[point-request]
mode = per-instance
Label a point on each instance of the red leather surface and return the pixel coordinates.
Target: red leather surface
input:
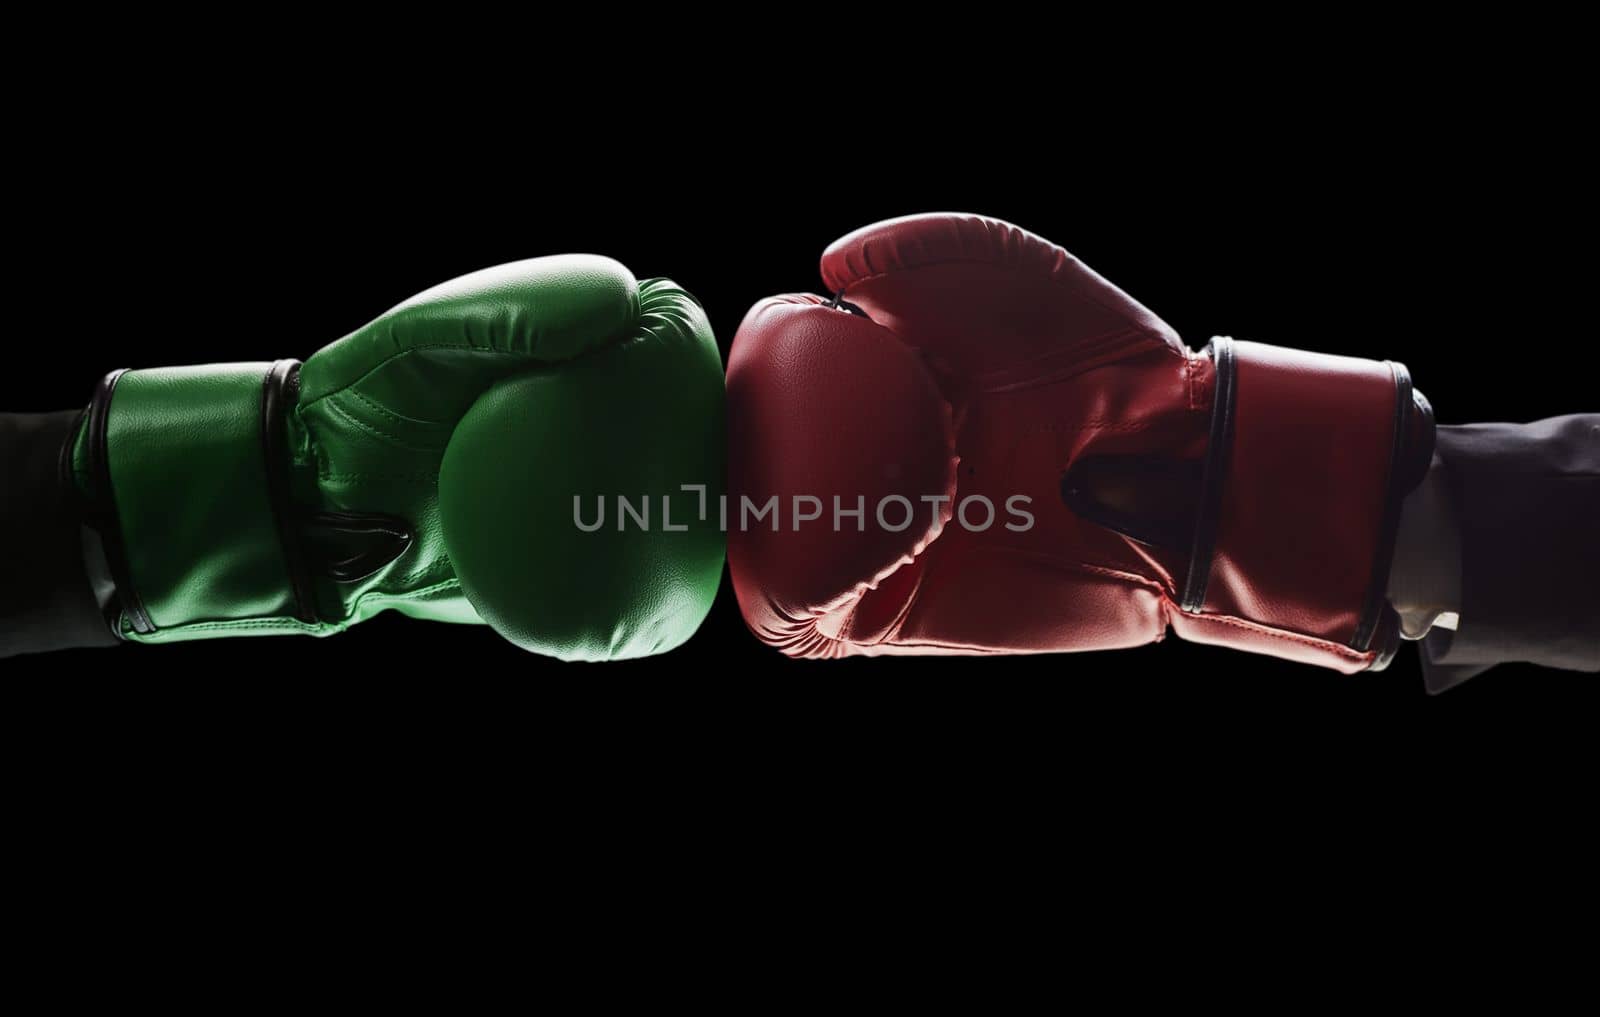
(992, 362)
(823, 403)
(1304, 496)
(1255, 637)
(991, 303)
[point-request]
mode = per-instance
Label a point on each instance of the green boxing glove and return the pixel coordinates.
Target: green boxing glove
(450, 461)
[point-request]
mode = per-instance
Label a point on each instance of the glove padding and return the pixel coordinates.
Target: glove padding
(1244, 496)
(428, 462)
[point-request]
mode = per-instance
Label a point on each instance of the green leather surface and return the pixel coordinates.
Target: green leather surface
(638, 420)
(375, 414)
(186, 464)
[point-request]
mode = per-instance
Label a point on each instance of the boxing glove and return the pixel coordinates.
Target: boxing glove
(431, 462)
(978, 445)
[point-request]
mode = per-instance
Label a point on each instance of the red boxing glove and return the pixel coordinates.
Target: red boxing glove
(981, 446)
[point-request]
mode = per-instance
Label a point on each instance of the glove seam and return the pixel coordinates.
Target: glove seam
(1085, 356)
(1107, 571)
(1338, 649)
(1127, 577)
(396, 417)
(386, 361)
(1177, 350)
(441, 565)
(254, 623)
(290, 623)
(377, 432)
(892, 634)
(453, 581)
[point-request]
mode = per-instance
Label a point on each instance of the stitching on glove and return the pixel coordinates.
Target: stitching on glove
(444, 561)
(1052, 278)
(376, 431)
(1102, 425)
(443, 564)
(1110, 573)
(1322, 644)
(1082, 566)
(1091, 354)
(396, 417)
(391, 358)
(276, 623)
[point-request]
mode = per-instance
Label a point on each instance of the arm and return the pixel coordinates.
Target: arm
(47, 599)
(1504, 533)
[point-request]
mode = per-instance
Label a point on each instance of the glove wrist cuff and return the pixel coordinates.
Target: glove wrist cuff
(184, 472)
(1309, 459)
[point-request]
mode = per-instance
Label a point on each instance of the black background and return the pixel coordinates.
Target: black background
(1401, 237)
(249, 184)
